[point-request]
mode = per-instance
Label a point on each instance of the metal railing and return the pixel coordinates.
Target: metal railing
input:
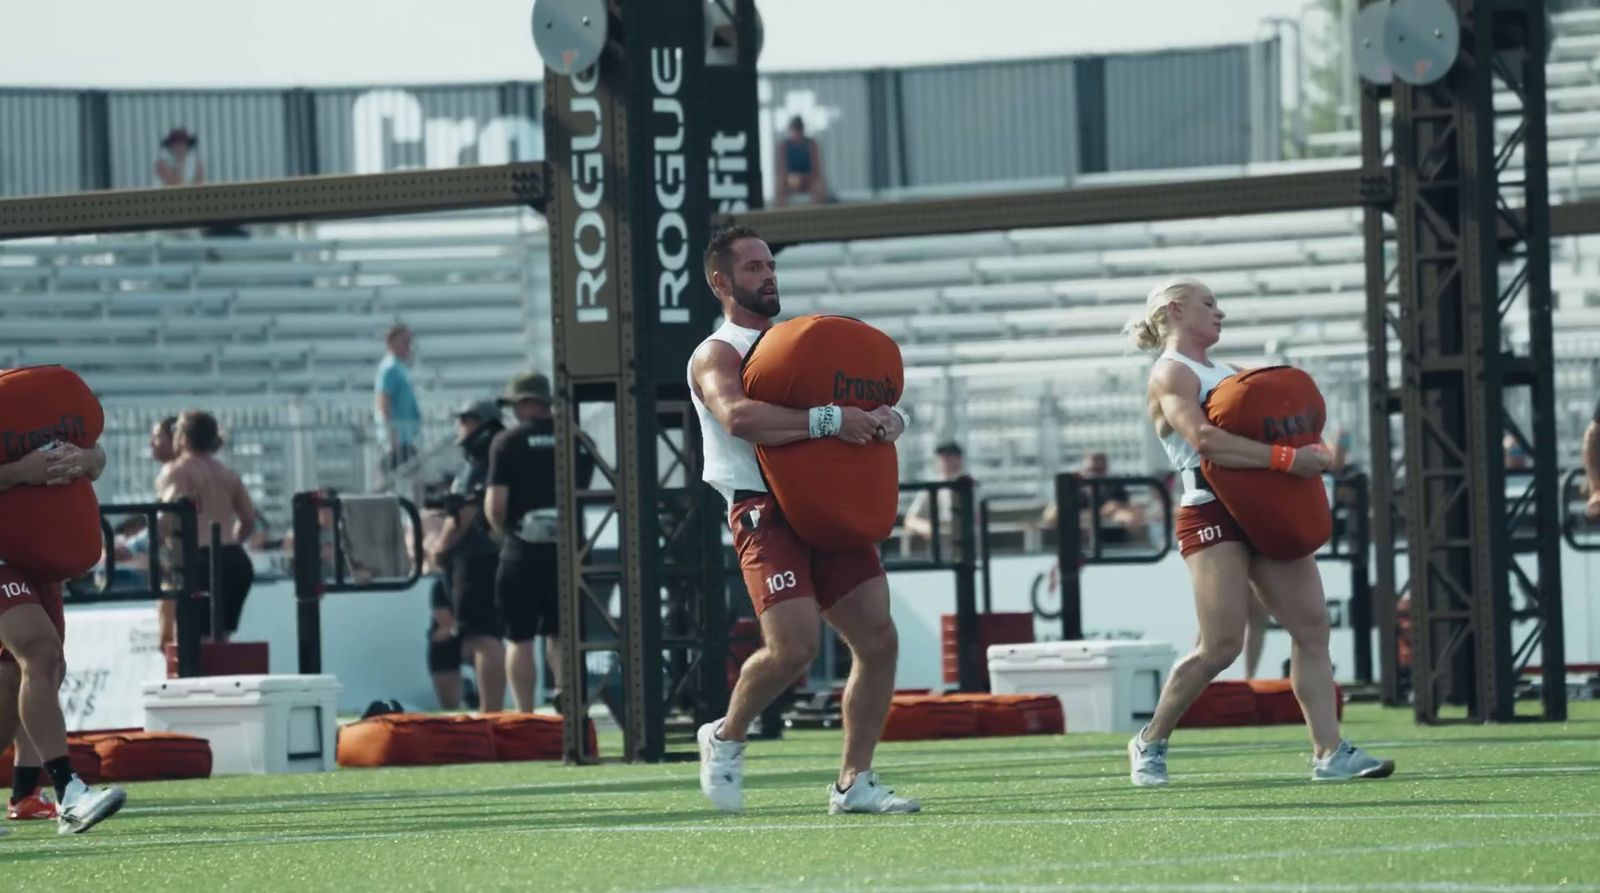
(310, 582)
(186, 595)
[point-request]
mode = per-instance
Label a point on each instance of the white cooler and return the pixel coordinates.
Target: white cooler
(257, 725)
(1104, 686)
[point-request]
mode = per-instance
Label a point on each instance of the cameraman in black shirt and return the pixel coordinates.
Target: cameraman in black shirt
(467, 549)
(520, 503)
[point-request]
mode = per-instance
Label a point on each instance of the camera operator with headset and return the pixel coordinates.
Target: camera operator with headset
(467, 549)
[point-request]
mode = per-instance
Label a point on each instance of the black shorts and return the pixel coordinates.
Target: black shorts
(527, 589)
(238, 575)
(472, 596)
(400, 455)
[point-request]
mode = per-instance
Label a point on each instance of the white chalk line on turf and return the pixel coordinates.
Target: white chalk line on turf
(1245, 887)
(579, 786)
(896, 881)
(854, 826)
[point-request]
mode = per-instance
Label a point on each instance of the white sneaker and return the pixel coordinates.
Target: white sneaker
(1348, 761)
(866, 795)
(1147, 760)
(83, 807)
(721, 769)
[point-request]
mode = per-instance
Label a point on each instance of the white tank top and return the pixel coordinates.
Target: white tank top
(730, 463)
(1184, 457)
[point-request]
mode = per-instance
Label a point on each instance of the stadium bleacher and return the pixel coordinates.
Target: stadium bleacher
(1011, 338)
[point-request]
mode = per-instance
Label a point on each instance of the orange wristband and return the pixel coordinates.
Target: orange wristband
(1282, 458)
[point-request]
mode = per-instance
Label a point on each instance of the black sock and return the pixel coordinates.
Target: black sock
(24, 781)
(60, 770)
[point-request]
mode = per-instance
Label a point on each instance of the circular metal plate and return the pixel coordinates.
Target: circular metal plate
(570, 34)
(1367, 45)
(720, 26)
(1421, 38)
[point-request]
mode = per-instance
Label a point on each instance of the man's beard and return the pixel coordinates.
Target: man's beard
(756, 302)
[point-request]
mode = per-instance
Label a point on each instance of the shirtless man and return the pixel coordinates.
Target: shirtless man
(220, 498)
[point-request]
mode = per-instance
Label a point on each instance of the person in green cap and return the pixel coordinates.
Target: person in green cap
(520, 503)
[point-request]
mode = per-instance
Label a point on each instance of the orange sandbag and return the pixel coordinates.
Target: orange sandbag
(1222, 704)
(461, 739)
(151, 756)
(532, 736)
(835, 495)
(1008, 715)
(49, 534)
(1276, 704)
(1285, 517)
(80, 751)
(915, 718)
(393, 739)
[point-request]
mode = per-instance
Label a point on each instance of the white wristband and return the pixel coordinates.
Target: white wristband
(825, 421)
(905, 417)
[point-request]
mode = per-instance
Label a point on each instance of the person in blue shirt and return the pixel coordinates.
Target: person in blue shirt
(398, 417)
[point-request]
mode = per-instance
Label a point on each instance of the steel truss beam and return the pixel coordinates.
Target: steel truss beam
(1456, 229)
(1073, 207)
(276, 201)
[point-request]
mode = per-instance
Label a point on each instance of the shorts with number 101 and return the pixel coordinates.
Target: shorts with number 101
(778, 567)
(1203, 526)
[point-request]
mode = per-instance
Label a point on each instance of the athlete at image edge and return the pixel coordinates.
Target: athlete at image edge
(77, 807)
(1182, 318)
(848, 589)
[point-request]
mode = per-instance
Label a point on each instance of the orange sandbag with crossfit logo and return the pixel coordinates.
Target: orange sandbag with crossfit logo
(1285, 517)
(49, 534)
(835, 495)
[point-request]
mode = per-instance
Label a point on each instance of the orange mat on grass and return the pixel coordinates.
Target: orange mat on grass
(150, 756)
(1222, 704)
(1276, 705)
(130, 755)
(920, 717)
(412, 739)
(1007, 715)
(532, 736)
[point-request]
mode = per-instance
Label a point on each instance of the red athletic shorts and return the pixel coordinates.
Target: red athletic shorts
(1202, 526)
(16, 591)
(777, 566)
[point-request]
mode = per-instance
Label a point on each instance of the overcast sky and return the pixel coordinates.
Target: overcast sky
(216, 43)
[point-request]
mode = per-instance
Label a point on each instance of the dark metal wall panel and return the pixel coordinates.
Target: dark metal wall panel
(41, 148)
(241, 133)
(995, 121)
(837, 110)
(379, 129)
(1187, 108)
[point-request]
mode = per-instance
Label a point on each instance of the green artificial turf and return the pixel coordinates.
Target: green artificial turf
(1472, 808)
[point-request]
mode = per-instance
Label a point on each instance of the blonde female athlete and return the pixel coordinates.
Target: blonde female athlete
(1182, 319)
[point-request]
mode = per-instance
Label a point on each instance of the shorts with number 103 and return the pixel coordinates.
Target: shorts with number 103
(778, 567)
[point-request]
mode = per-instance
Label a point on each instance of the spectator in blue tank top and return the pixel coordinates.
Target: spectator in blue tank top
(398, 417)
(799, 166)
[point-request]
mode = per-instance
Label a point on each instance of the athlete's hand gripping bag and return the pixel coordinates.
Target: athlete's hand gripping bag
(1285, 517)
(835, 495)
(49, 534)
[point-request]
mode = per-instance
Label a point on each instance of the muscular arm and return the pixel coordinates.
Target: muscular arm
(455, 528)
(717, 381)
(1591, 453)
(244, 511)
(495, 499)
(1177, 389)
